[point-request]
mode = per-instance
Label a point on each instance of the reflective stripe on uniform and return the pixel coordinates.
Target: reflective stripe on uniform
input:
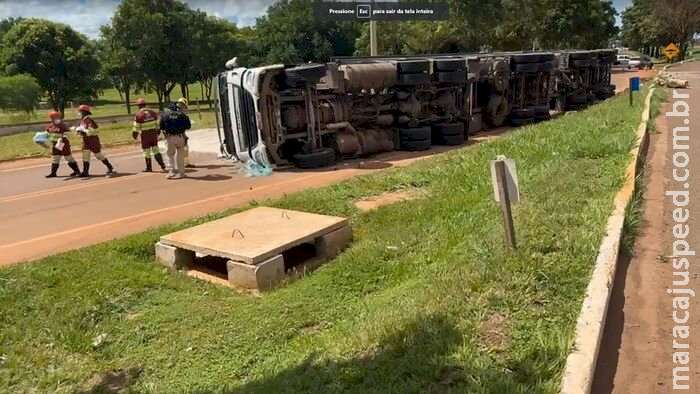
(136, 127)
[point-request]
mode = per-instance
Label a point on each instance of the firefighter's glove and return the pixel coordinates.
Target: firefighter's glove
(134, 134)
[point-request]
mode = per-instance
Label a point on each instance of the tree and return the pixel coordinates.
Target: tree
(680, 19)
(155, 32)
(19, 92)
(289, 33)
(119, 65)
(7, 24)
(60, 59)
(214, 42)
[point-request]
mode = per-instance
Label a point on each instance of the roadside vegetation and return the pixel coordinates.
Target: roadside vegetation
(21, 145)
(425, 299)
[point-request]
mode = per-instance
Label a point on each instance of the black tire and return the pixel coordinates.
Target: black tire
(449, 140)
(456, 77)
(576, 107)
(521, 114)
(522, 121)
(542, 117)
(413, 66)
(580, 55)
(547, 67)
(415, 145)
(448, 129)
(577, 99)
(415, 134)
(526, 68)
(546, 57)
(525, 58)
(310, 73)
(414, 79)
(591, 97)
(581, 63)
(322, 158)
(449, 65)
(540, 110)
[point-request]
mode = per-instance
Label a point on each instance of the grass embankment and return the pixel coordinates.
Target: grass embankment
(426, 299)
(108, 103)
(19, 146)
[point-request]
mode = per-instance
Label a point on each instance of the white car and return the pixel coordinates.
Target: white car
(623, 60)
(633, 62)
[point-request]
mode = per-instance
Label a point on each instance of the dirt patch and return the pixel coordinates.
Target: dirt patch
(494, 331)
(374, 202)
(311, 329)
(111, 382)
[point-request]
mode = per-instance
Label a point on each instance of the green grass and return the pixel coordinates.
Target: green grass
(109, 103)
(18, 146)
(426, 299)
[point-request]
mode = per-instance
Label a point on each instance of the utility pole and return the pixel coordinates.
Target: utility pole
(373, 36)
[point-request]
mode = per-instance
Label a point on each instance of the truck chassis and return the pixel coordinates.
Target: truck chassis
(312, 115)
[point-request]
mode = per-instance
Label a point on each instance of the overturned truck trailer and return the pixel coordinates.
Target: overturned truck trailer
(315, 114)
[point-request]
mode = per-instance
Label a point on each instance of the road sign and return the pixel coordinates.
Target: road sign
(671, 50)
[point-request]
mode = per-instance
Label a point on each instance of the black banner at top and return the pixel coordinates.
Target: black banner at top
(380, 11)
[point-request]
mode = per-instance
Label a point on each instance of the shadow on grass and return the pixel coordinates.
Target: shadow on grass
(410, 359)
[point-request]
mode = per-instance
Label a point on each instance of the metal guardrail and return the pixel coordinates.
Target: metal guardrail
(11, 129)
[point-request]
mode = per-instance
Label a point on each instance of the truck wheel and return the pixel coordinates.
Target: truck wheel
(545, 67)
(413, 66)
(526, 68)
(414, 79)
(577, 99)
(450, 134)
(579, 55)
(581, 63)
(448, 129)
(415, 134)
(322, 158)
(522, 121)
(525, 58)
(456, 77)
(310, 73)
(540, 109)
(450, 65)
(521, 114)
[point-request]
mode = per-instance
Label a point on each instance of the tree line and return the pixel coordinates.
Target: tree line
(157, 45)
(650, 24)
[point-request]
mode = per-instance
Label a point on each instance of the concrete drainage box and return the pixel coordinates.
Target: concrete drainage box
(255, 249)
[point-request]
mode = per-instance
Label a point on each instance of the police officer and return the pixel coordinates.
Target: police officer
(182, 103)
(174, 123)
(146, 123)
(91, 142)
(56, 129)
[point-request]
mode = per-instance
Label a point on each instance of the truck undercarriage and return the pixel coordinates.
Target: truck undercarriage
(315, 114)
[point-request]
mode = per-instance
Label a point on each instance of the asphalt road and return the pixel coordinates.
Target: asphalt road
(40, 217)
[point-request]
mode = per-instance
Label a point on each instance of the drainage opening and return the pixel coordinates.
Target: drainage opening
(210, 265)
(295, 257)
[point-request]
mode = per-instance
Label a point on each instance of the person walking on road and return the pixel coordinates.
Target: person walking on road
(174, 123)
(146, 123)
(182, 103)
(60, 145)
(91, 142)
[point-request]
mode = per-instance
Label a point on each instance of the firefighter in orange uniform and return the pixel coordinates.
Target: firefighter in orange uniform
(56, 129)
(91, 142)
(146, 122)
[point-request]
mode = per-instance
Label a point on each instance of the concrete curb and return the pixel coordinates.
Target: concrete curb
(581, 363)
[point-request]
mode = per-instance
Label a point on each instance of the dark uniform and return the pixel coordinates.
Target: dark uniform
(174, 123)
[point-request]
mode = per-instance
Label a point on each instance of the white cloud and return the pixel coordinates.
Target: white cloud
(86, 16)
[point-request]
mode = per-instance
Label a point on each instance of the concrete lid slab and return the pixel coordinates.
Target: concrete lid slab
(255, 235)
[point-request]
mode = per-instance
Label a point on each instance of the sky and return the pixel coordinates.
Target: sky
(86, 16)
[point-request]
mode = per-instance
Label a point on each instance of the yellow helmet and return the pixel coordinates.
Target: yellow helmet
(183, 101)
